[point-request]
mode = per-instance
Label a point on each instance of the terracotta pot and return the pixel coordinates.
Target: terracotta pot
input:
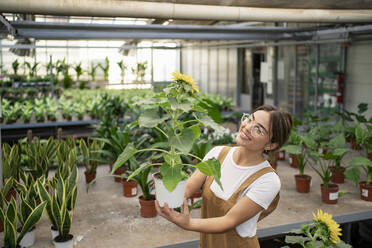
(119, 171)
(89, 176)
(330, 194)
(147, 207)
(338, 174)
(365, 191)
(370, 155)
(11, 193)
(129, 188)
(293, 161)
(280, 155)
(303, 183)
(274, 164)
(196, 197)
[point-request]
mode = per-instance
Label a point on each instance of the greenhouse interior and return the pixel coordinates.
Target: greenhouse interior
(116, 117)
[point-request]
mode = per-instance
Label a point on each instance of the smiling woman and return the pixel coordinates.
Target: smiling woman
(250, 187)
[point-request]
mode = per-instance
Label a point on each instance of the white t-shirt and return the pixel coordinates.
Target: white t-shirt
(262, 191)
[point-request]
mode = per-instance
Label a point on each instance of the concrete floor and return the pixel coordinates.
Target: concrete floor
(105, 218)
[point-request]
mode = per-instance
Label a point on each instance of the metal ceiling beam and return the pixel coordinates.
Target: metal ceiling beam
(11, 30)
(75, 31)
(163, 10)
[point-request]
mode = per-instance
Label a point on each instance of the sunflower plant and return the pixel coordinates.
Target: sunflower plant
(178, 113)
(323, 231)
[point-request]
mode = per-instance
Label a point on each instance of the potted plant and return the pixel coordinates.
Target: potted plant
(79, 109)
(105, 68)
(40, 154)
(130, 187)
(335, 151)
(301, 153)
(123, 68)
(91, 157)
(28, 202)
(147, 200)
(11, 158)
(294, 139)
(177, 99)
(329, 191)
(66, 108)
(364, 139)
(10, 218)
(27, 112)
(323, 231)
(79, 71)
(60, 205)
(93, 71)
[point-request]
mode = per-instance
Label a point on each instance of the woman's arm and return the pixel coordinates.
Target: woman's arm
(243, 210)
(194, 183)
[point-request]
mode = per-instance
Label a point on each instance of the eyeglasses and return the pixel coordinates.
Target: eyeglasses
(256, 130)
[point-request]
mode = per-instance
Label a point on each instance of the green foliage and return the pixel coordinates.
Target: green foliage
(164, 113)
(40, 154)
(79, 71)
(27, 214)
(105, 68)
(314, 234)
(301, 146)
(364, 139)
(11, 158)
(91, 154)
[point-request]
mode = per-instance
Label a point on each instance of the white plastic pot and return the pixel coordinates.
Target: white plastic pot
(66, 244)
(174, 198)
(54, 233)
(28, 240)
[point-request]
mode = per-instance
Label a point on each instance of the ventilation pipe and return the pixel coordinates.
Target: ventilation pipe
(138, 9)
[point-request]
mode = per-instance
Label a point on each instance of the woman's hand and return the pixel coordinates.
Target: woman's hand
(180, 219)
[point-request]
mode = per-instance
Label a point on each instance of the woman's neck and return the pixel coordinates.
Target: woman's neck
(244, 157)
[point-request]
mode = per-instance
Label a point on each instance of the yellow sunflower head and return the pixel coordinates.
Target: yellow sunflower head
(333, 228)
(177, 76)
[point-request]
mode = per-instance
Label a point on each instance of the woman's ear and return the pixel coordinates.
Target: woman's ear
(271, 146)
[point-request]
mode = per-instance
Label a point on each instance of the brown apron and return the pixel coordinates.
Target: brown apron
(215, 207)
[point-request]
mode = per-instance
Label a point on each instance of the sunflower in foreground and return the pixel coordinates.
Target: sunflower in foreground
(332, 226)
(177, 76)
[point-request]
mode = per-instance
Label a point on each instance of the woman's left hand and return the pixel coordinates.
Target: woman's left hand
(180, 219)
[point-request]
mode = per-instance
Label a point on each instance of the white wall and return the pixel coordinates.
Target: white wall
(358, 84)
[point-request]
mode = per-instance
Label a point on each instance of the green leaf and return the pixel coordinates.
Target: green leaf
(10, 233)
(150, 118)
(32, 220)
(293, 149)
(196, 130)
(339, 127)
(208, 122)
(185, 105)
(353, 174)
(361, 135)
(128, 152)
(204, 168)
(172, 175)
(310, 142)
(338, 141)
(360, 161)
(296, 239)
(340, 152)
(184, 141)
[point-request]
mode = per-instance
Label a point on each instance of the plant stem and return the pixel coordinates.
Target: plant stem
(159, 129)
(191, 155)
